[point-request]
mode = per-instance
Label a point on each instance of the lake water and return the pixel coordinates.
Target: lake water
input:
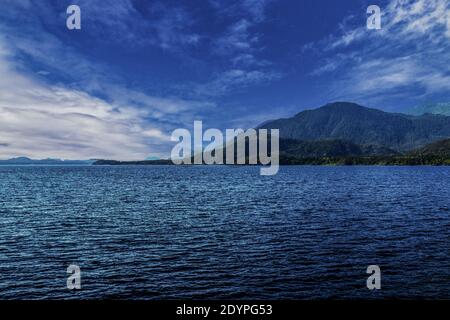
(158, 232)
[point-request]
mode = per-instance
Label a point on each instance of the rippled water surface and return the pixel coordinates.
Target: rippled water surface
(159, 232)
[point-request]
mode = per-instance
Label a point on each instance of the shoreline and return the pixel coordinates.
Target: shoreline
(324, 161)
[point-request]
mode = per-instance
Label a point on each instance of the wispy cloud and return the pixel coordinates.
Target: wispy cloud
(241, 45)
(409, 55)
(156, 23)
(236, 79)
(237, 39)
(255, 10)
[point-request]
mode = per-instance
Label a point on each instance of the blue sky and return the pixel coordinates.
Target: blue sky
(139, 69)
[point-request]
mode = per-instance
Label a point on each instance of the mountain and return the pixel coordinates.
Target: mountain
(363, 126)
(436, 108)
(300, 149)
(439, 149)
(338, 152)
(437, 153)
(18, 160)
(28, 161)
(329, 148)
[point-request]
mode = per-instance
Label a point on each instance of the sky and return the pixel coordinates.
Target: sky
(137, 70)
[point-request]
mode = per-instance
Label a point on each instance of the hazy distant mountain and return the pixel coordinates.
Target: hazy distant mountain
(436, 108)
(132, 163)
(28, 161)
(363, 126)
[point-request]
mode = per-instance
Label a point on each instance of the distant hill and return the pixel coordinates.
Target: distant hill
(142, 162)
(439, 148)
(337, 152)
(28, 161)
(299, 149)
(436, 108)
(329, 148)
(363, 126)
(436, 154)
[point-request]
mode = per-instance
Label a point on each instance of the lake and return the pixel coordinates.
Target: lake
(224, 232)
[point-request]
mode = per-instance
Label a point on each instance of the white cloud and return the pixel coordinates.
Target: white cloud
(409, 55)
(39, 120)
(448, 25)
(348, 38)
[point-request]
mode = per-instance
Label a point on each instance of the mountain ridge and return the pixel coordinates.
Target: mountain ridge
(363, 126)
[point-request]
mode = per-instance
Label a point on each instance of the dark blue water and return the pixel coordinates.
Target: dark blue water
(224, 232)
